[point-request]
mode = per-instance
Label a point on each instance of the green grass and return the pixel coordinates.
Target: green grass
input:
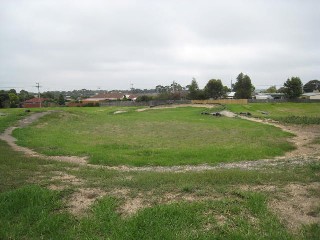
(29, 213)
(10, 116)
(33, 212)
(156, 137)
(220, 209)
(292, 113)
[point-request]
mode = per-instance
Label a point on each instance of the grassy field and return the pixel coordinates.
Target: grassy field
(42, 199)
(293, 113)
(10, 116)
(192, 205)
(156, 137)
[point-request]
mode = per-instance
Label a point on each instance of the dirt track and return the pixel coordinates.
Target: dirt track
(305, 152)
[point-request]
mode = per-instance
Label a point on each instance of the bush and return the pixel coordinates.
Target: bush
(144, 98)
(300, 120)
(91, 105)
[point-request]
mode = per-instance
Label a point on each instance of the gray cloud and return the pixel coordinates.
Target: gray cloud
(110, 44)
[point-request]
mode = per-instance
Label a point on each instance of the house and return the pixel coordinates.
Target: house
(35, 102)
(113, 96)
(263, 96)
(268, 96)
(230, 95)
(312, 96)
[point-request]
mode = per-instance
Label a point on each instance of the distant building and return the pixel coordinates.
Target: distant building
(267, 96)
(35, 102)
(230, 95)
(103, 97)
(312, 96)
(263, 96)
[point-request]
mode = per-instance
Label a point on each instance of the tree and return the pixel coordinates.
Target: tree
(49, 95)
(4, 99)
(144, 98)
(243, 87)
(61, 100)
(175, 87)
(24, 95)
(312, 86)
(272, 89)
(281, 90)
(13, 99)
(193, 90)
(225, 91)
(214, 89)
(171, 92)
(293, 88)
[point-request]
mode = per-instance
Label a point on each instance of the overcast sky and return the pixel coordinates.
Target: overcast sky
(75, 44)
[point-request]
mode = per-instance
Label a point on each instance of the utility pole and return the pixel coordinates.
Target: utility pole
(38, 86)
(131, 85)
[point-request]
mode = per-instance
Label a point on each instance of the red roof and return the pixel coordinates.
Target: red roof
(36, 100)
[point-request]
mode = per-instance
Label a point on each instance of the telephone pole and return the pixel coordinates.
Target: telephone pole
(38, 86)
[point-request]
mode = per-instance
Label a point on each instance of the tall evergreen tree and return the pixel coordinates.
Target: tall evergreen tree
(293, 88)
(214, 89)
(243, 87)
(193, 90)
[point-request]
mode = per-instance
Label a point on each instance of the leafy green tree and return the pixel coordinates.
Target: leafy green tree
(4, 99)
(243, 87)
(24, 95)
(49, 95)
(12, 91)
(193, 90)
(293, 88)
(13, 99)
(144, 98)
(214, 89)
(175, 87)
(225, 91)
(272, 89)
(171, 92)
(61, 100)
(312, 86)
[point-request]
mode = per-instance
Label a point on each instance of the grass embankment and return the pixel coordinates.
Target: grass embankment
(156, 137)
(10, 116)
(292, 113)
(218, 206)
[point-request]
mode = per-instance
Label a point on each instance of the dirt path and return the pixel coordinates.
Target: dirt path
(7, 137)
(178, 105)
(304, 136)
(306, 151)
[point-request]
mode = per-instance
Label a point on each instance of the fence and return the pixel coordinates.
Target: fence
(283, 100)
(136, 104)
(221, 101)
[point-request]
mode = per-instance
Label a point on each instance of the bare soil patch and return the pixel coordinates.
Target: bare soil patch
(118, 112)
(294, 203)
(82, 199)
(296, 206)
(67, 178)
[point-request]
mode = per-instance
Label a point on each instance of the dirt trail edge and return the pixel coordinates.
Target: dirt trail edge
(7, 136)
(302, 155)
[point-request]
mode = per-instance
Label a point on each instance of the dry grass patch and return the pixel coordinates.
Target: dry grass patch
(82, 199)
(296, 205)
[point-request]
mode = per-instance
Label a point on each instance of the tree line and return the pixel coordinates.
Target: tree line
(214, 89)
